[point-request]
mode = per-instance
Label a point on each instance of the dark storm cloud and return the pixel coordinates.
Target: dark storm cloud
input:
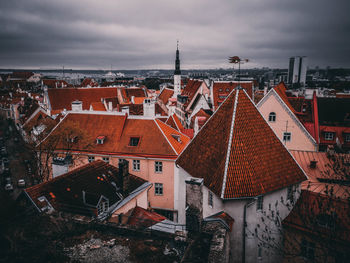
(142, 34)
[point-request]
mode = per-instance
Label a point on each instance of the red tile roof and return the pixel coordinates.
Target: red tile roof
(62, 98)
(118, 130)
(190, 90)
(222, 89)
(165, 95)
(55, 83)
(174, 122)
(178, 140)
(98, 106)
(281, 91)
(308, 209)
(65, 192)
(89, 82)
(142, 218)
(257, 161)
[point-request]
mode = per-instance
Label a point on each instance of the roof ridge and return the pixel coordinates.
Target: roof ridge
(229, 144)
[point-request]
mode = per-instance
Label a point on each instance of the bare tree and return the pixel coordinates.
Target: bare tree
(318, 226)
(66, 139)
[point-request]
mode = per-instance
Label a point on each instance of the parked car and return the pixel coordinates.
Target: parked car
(5, 162)
(8, 187)
(21, 183)
(8, 184)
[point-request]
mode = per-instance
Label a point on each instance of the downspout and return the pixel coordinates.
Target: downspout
(244, 228)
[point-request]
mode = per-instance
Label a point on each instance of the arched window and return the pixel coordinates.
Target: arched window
(272, 117)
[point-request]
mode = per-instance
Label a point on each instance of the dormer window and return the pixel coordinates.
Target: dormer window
(100, 139)
(134, 141)
(272, 117)
(176, 137)
(329, 136)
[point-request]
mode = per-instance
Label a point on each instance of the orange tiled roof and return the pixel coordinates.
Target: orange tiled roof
(257, 161)
(139, 100)
(190, 90)
(165, 95)
(175, 123)
(98, 106)
(222, 89)
(118, 130)
(178, 140)
(62, 98)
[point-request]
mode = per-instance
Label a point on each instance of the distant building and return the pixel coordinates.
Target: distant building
(297, 70)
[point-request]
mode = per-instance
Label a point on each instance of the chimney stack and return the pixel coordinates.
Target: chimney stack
(194, 204)
(149, 108)
(123, 176)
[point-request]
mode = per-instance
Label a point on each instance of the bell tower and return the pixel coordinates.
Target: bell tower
(177, 73)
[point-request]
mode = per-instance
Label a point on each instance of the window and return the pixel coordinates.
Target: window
(102, 208)
(158, 189)
(91, 158)
(158, 167)
(259, 252)
(287, 136)
(328, 136)
(290, 195)
(272, 117)
(136, 165)
(134, 141)
(106, 159)
(347, 137)
(259, 203)
(100, 139)
(325, 220)
(210, 199)
(307, 249)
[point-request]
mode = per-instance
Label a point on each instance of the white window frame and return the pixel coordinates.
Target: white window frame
(287, 136)
(158, 189)
(91, 159)
(136, 164)
(272, 117)
(347, 137)
(260, 203)
(329, 136)
(210, 199)
(105, 159)
(158, 167)
(102, 208)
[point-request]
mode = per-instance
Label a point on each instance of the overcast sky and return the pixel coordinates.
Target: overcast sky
(142, 34)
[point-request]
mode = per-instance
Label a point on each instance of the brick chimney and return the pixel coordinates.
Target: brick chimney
(194, 204)
(123, 176)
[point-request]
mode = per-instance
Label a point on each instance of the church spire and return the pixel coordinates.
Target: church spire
(177, 61)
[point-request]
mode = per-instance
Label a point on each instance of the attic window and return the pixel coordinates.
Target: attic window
(134, 141)
(100, 139)
(176, 137)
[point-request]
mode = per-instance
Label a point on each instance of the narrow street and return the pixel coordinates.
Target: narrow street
(19, 159)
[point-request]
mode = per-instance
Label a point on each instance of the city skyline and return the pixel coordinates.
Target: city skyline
(143, 35)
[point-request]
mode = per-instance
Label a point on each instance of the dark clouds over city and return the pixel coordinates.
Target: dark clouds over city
(142, 34)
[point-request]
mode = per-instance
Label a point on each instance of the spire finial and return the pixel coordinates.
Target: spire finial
(177, 44)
